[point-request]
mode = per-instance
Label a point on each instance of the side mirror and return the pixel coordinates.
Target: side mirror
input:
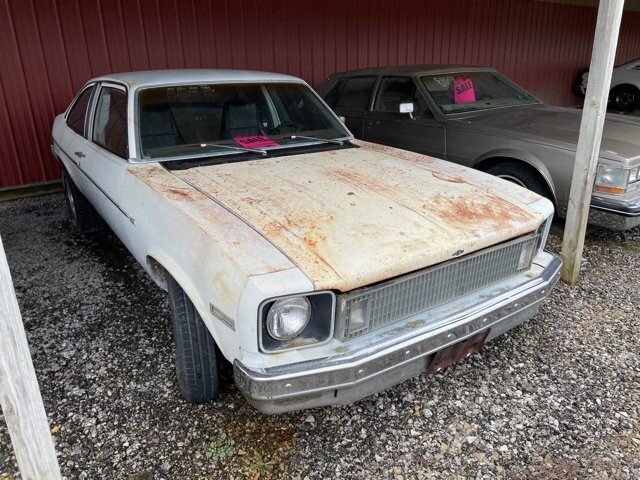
(407, 108)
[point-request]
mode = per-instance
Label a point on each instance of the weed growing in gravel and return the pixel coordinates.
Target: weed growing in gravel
(261, 466)
(219, 447)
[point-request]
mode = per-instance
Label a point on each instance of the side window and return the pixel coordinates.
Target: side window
(355, 94)
(396, 90)
(110, 122)
(78, 113)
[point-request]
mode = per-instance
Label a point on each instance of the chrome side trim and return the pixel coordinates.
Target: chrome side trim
(55, 146)
(220, 315)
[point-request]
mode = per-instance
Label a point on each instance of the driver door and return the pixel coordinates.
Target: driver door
(104, 158)
(350, 98)
(419, 132)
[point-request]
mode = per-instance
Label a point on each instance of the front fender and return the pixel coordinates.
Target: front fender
(522, 156)
(157, 257)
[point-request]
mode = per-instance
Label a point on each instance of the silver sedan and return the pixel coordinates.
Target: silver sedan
(479, 118)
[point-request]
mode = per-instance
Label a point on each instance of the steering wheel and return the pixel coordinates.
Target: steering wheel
(294, 126)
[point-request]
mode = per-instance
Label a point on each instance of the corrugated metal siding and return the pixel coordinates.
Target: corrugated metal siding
(49, 48)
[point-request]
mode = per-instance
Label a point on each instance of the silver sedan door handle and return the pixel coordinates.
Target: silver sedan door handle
(79, 154)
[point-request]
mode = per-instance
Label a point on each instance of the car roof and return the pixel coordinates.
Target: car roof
(186, 76)
(422, 69)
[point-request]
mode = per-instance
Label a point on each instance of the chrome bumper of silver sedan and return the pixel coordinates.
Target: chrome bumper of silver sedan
(617, 214)
(344, 379)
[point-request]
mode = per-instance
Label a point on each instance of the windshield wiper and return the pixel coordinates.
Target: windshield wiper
(237, 149)
(326, 140)
(203, 145)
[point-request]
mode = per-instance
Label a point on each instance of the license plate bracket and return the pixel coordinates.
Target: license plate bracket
(456, 352)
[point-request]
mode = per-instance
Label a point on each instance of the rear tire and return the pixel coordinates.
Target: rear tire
(197, 356)
(523, 175)
(83, 217)
(625, 98)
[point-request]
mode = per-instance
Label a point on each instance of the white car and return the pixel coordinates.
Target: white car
(625, 86)
(325, 269)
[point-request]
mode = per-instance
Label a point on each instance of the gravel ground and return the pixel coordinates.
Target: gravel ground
(558, 397)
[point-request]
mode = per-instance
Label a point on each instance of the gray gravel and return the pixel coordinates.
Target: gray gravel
(556, 398)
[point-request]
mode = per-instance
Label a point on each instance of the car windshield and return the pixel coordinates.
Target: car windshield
(469, 91)
(213, 119)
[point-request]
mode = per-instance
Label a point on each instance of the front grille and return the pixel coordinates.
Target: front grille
(410, 294)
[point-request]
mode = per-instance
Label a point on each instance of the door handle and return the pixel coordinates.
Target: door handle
(79, 154)
(370, 123)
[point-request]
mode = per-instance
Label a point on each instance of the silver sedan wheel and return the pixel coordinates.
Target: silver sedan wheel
(512, 179)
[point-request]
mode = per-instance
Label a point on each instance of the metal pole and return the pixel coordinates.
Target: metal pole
(19, 393)
(595, 109)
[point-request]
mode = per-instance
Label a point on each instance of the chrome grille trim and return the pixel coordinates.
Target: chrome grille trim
(396, 299)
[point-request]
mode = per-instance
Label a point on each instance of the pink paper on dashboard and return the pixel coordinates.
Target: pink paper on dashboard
(463, 91)
(255, 141)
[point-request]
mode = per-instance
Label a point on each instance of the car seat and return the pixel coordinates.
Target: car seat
(239, 119)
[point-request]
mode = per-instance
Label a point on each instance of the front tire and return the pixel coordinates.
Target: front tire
(83, 217)
(197, 356)
(625, 98)
(523, 175)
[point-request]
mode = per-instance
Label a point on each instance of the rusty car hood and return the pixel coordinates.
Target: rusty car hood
(352, 217)
(556, 126)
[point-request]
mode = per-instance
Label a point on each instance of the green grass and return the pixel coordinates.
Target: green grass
(219, 447)
(261, 466)
(630, 247)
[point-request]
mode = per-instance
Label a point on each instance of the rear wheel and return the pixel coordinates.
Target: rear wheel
(523, 175)
(625, 98)
(198, 359)
(83, 217)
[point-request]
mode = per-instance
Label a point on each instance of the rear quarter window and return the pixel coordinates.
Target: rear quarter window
(78, 113)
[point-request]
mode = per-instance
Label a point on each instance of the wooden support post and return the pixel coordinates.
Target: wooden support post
(593, 115)
(19, 393)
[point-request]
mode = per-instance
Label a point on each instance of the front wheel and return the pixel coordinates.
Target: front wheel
(523, 175)
(197, 356)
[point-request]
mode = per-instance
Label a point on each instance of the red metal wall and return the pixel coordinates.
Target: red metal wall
(49, 48)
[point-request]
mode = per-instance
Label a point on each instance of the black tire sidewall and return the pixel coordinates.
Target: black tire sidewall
(622, 89)
(198, 358)
(69, 197)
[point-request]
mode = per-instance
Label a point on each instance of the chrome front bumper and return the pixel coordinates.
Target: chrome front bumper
(344, 379)
(616, 214)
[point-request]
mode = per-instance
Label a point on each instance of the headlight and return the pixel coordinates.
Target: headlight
(296, 321)
(612, 179)
(287, 318)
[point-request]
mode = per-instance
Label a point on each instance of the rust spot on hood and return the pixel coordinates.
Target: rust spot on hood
(480, 213)
(448, 178)
(182, 194)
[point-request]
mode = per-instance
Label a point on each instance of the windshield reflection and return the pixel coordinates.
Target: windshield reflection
(192, 120)
(469, 91)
